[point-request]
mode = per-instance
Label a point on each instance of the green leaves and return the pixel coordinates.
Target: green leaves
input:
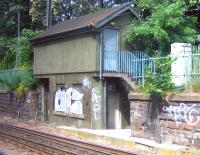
(163, 23)
(25, 50)
(159, 82)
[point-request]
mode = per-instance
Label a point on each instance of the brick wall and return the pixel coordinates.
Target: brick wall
(178, 121)
(9, 105)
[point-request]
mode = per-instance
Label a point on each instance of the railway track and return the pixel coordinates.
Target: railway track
(48, 144)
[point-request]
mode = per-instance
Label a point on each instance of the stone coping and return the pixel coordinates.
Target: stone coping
(173, 97)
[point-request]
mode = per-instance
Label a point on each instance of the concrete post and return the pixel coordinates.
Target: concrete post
(182, 63)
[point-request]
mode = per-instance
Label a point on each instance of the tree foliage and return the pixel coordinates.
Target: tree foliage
(8, 27)
(20, 47)
(163, 23)
(67, 9)
(8, 14)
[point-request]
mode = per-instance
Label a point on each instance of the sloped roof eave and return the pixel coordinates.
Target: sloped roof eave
(57, 33)
(85, 28)
(63, 35)
(114, 15)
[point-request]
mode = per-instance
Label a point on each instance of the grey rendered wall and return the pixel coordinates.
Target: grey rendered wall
(70, 55)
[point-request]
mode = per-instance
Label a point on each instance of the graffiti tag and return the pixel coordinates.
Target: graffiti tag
(183, 113)
(86, 83)
(96, 99)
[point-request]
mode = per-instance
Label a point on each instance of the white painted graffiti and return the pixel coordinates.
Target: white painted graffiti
(74, 101)
(69, 101)
(137, 114)
(60, 104)
(96, 99)
(86, 83)
(183, 113)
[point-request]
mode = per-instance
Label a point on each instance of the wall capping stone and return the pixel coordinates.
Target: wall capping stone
(188, 97)
(138, 96)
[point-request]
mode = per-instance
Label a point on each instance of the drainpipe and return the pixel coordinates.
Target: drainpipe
(100, 56)
(105, 104)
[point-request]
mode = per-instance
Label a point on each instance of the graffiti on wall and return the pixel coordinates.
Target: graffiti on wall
(183, 113)
(138, 113)
(86, 83)
(96, 99)
(60, 104)
(69, 101)
(74, 101)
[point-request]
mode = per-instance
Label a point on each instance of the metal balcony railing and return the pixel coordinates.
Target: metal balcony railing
(130, 63)
(134, 64)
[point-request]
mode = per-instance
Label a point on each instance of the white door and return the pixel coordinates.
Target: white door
(110, 48)
(114, 118)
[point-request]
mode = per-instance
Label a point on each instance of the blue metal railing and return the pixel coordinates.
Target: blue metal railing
(135, 63)
(131, 63)
(118, 62)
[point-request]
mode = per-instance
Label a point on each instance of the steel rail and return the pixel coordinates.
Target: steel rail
(51, 143)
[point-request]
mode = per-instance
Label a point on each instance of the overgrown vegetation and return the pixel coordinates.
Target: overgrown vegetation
(19, 79)
(20, 76)
(16, 52)
(163, 22)
(159, 82)
(21, 48)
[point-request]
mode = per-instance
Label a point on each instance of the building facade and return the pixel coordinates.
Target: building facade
(76, 63)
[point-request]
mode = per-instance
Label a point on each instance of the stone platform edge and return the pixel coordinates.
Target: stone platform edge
(129, 144)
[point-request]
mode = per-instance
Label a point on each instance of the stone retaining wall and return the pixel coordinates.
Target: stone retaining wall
(178, 121)
(9, 105)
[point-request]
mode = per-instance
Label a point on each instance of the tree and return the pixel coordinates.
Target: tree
(37, 12)
(24, 51)
(67, 9)
(8, 13)
(8, 26)
(163, 23)
(111, 3)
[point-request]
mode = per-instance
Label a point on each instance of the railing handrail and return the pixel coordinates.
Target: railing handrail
(134, 63)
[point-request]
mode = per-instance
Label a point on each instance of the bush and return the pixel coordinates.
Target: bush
(159, 82)
(20, 80)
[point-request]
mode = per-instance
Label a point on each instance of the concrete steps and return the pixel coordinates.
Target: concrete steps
(125, 77)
